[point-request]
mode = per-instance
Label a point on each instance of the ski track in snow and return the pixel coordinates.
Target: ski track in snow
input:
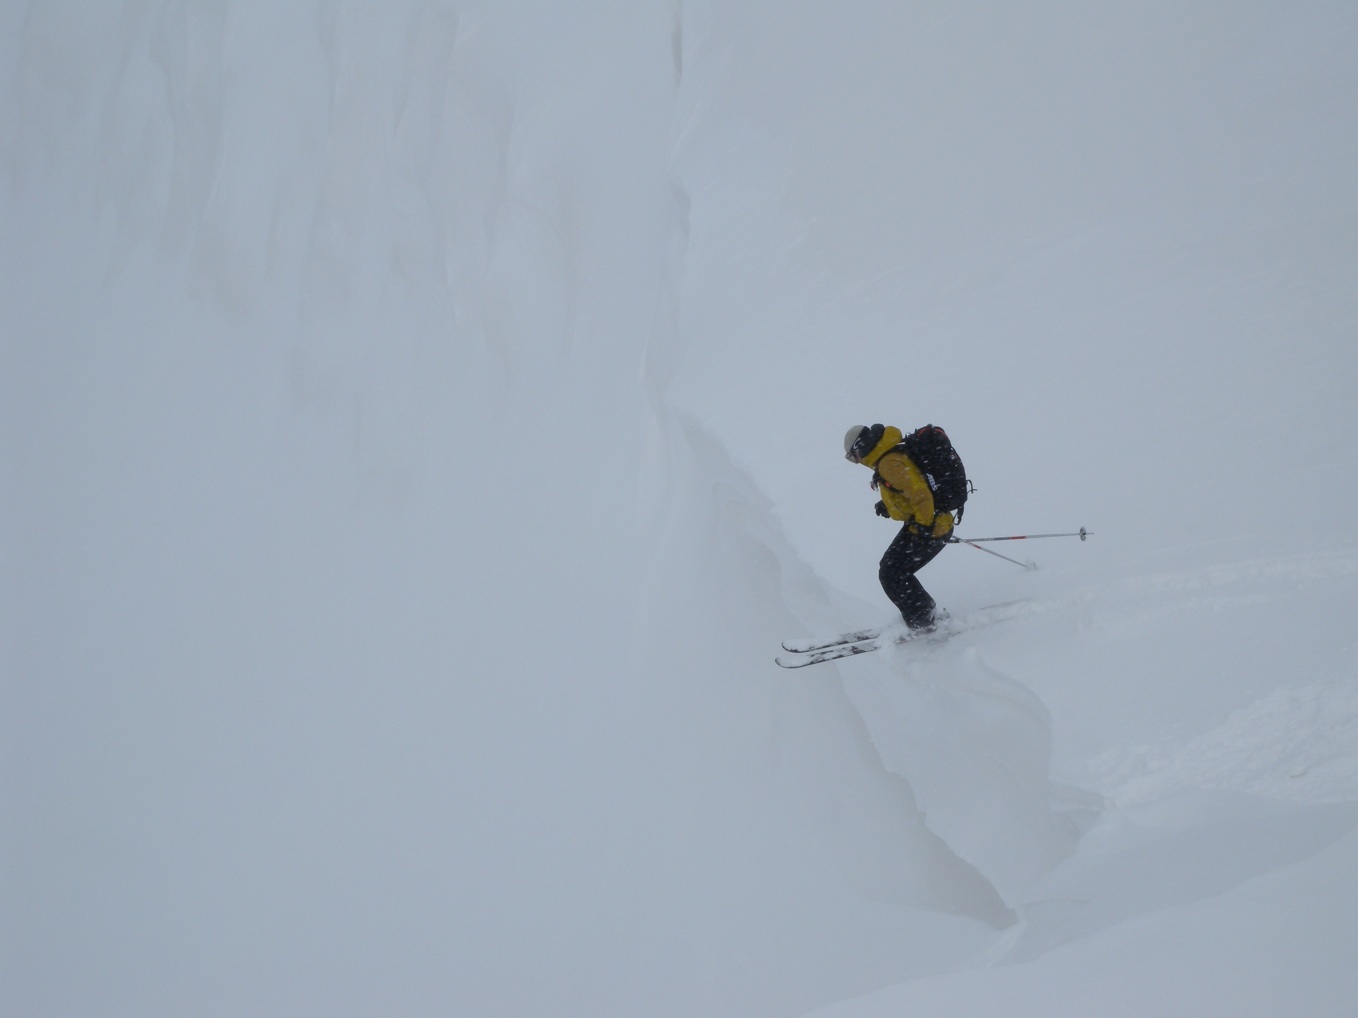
(1220, 585)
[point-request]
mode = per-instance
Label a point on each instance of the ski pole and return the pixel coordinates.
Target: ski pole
(975, 542)
(1082, 533)
(1026, 565)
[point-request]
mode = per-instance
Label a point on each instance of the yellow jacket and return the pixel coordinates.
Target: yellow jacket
(904, 491)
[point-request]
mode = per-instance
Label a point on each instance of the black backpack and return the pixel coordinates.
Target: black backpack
(933, 453)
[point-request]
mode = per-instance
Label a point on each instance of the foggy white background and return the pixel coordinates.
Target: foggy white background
(422, 422)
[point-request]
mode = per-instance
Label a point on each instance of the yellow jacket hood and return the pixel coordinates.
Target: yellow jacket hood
(891, 437)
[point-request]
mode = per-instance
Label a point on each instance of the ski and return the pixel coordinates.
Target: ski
(801, 653)
(833, 652)
(851, 648)
(811, 646)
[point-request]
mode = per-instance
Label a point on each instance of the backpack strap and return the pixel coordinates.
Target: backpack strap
(904, 450)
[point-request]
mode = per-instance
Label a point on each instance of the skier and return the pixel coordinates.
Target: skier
(906, 497)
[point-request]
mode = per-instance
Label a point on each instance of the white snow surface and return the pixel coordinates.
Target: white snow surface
(421, 423)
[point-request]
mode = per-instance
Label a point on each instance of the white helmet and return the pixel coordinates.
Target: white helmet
(850, 438)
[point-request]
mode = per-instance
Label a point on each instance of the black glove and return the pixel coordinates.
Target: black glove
(880, 509)
(923, 530)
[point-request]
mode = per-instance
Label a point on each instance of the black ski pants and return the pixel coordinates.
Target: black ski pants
(906, 555)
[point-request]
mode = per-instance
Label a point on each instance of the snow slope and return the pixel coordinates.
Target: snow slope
(421, 423)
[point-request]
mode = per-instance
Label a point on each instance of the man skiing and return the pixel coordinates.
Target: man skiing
(906, 497)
